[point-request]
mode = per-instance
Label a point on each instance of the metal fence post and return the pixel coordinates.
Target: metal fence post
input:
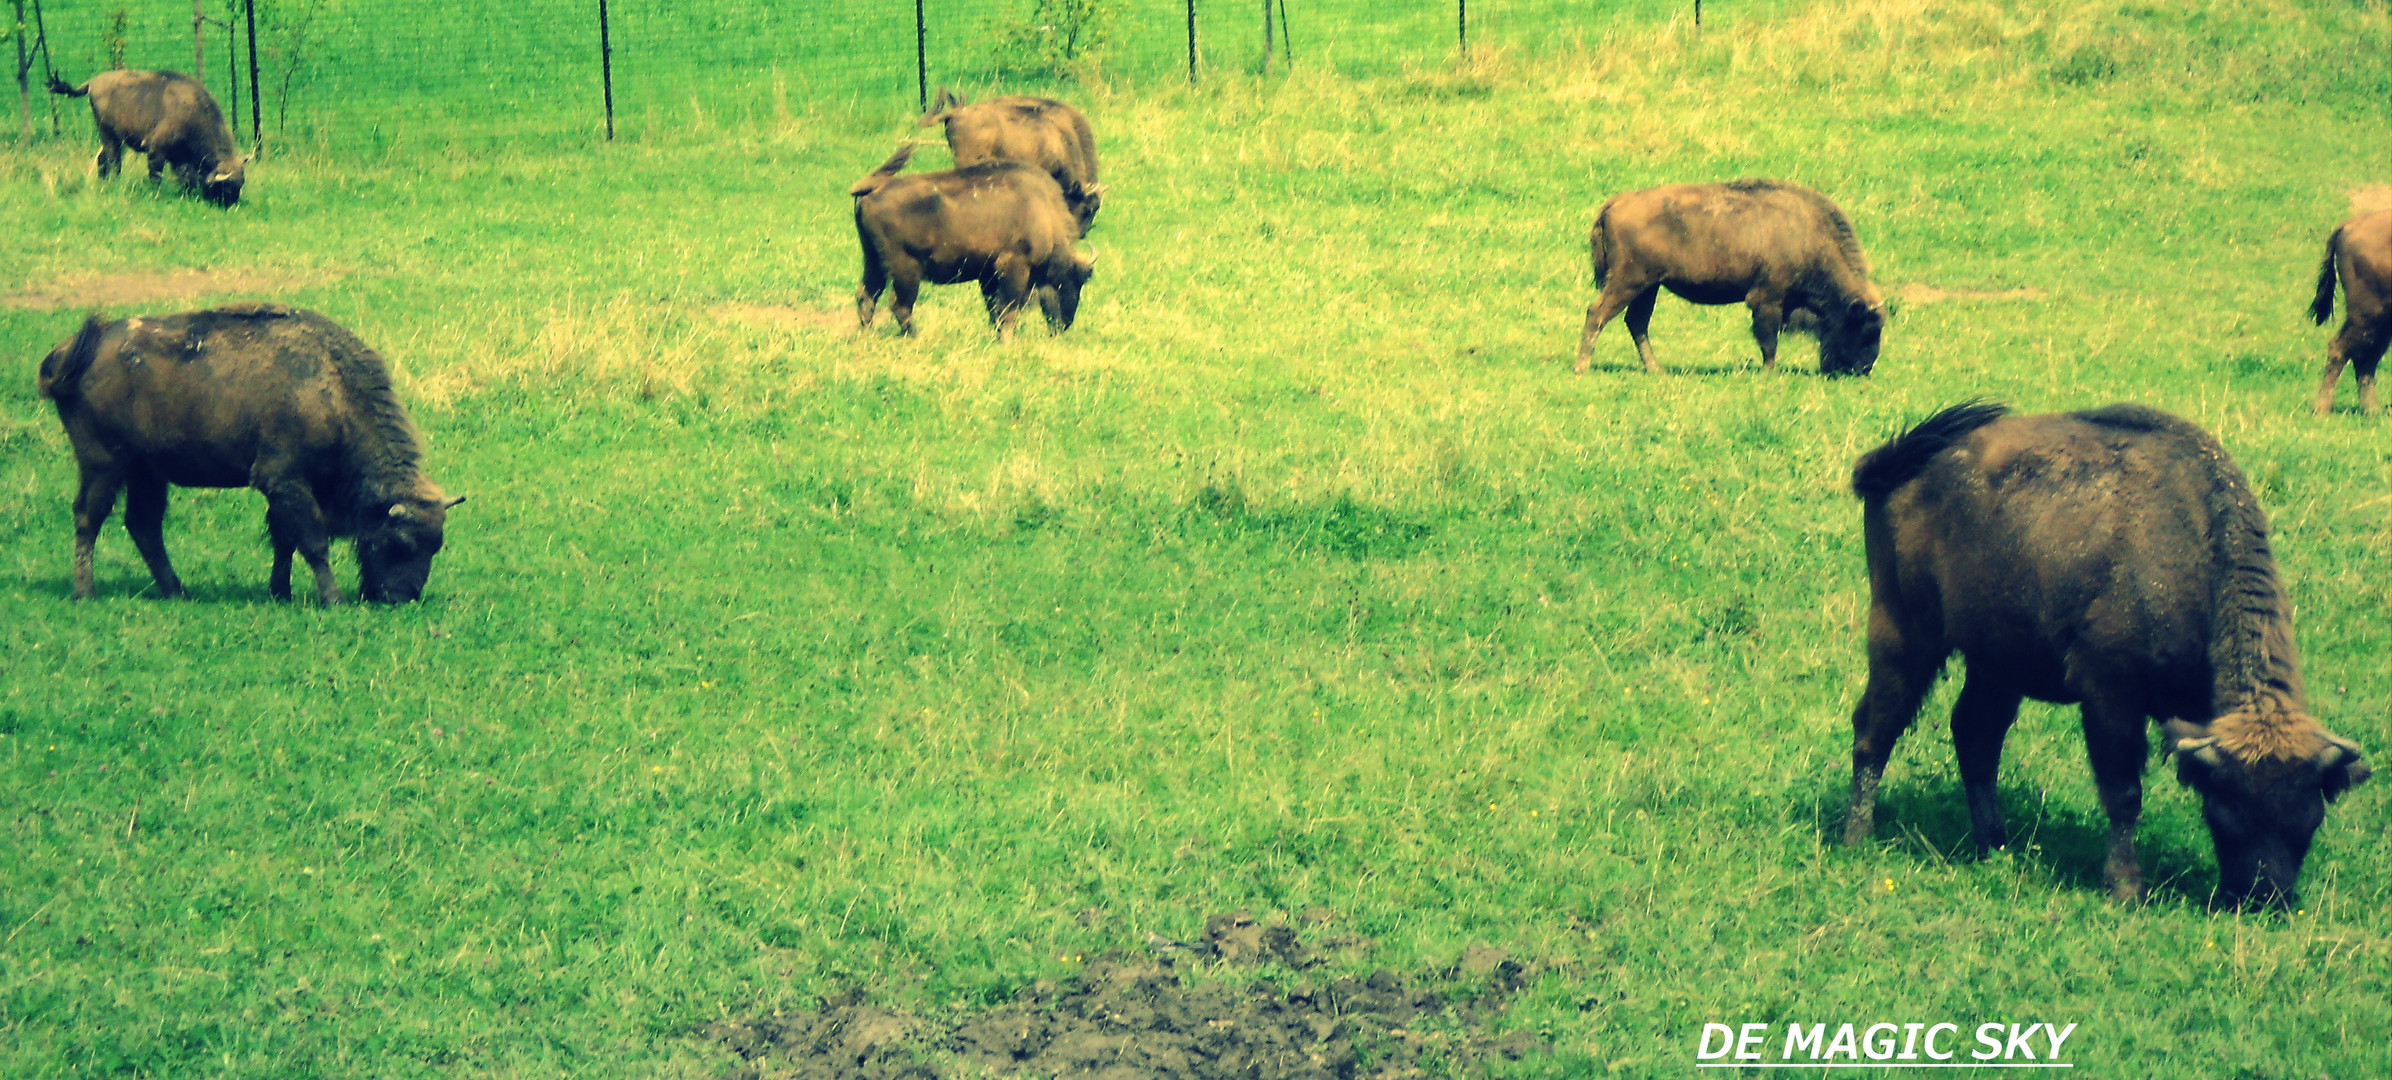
(257, 125)
(606, 68)
(921, 60)
(1461, 18)
(1191, 40)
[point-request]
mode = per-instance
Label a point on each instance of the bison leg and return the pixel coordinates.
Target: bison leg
(2364, 357)
(1640, 316)
(1615, 296)
(1006, 289)
(867, 294)
(2114, 736)
(278, 585)
(112, 154)
(2325, 387)
(1768, 316)
(1900, 674)
(145, 521)
(903, 291)
(1980, 721)
(297, 523)
(157, 168)
(92, 503)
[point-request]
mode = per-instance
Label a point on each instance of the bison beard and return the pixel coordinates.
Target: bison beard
(2114, 559)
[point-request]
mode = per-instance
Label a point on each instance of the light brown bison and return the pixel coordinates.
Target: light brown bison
(248, 395)
(1036, 131)
(171, 118)
(2360, 254)
(1782, 250)
(2115, 559)
(1000, 223)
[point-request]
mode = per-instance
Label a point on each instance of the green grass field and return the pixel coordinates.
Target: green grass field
(770, 660)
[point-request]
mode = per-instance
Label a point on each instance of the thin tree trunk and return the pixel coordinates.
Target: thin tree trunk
(24, 66)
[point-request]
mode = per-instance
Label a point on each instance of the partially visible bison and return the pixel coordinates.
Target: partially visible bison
(171, 118)
(2359, 253)
(1000, 223)
(248, 395)
(1782, 250)
(1035, 131)
(2115, 559)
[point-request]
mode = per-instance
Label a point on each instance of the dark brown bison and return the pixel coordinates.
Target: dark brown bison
(171, 118)
(2360, 254)
(248, 395)
(1783, 251)
(1000, 223)
(2114, 559)
(1035, 131)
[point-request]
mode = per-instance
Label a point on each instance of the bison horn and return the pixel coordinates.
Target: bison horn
(452, 504)
(398, 510)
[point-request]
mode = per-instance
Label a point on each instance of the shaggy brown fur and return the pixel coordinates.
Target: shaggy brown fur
(248, 395)
(1780, 249)
(2359, 254)
(171, 118)
(1002, 224)
(2114, 559)
(1035, 131)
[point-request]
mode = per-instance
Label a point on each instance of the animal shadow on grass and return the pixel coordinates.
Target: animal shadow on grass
(136, 585)
(1929, 820)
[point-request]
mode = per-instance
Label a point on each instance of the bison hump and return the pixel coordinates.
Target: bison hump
(256, 309)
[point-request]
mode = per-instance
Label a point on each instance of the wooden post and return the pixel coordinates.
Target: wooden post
(257, 128)
(1698, 14)
(921, 60)
(199, 53)
(1191, 40)
(606, 69)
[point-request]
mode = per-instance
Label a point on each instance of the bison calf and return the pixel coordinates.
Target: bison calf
(171, 118)
(1000, 223)
(248, 395)
(1782, 250)
(2359, 253)
(1041, 132)
(2114, 559)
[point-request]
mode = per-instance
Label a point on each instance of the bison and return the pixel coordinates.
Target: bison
(2360, 254)
(1035, 131)
(1782, 250)
(2113, 559)
(170, 117)
(248, 395)
(1000, 223)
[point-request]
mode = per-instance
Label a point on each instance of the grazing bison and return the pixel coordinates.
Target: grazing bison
(2115, 559)
(1776, 248)
(2360, 254)
(1035, 131)
(248, 395)
(171, 118)
(1000, 223)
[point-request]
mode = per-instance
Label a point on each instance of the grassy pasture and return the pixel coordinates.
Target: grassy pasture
(769, 659)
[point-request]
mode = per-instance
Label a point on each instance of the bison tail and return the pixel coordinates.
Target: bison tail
(888, 171)
(1600, 247)
(59, 86)
(940, 106)
(62, 371)
(1882, 470)
(2322, 308)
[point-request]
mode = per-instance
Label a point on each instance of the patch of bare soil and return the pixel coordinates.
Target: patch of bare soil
(142, 287)
(2369, 198)
(769, 317)
(1920, 293)
(1134, 1018)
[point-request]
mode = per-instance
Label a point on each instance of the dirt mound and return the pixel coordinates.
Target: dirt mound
(1135, 1018)
(1918, 293)
(768, 317)
(137, 288)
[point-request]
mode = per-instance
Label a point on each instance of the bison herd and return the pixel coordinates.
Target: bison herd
(2114, 559)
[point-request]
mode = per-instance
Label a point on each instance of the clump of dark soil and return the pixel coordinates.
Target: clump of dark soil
(1135, 1018)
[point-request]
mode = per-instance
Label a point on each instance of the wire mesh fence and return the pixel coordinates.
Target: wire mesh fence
(356, 74)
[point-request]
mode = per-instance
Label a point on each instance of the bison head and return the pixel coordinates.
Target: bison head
(1062, 303)
(1085, 201)
(2263, 808)
(1849, 344)
(395, 549)
(223, 186)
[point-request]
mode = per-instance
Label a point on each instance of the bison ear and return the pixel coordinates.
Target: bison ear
(2340, 767)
